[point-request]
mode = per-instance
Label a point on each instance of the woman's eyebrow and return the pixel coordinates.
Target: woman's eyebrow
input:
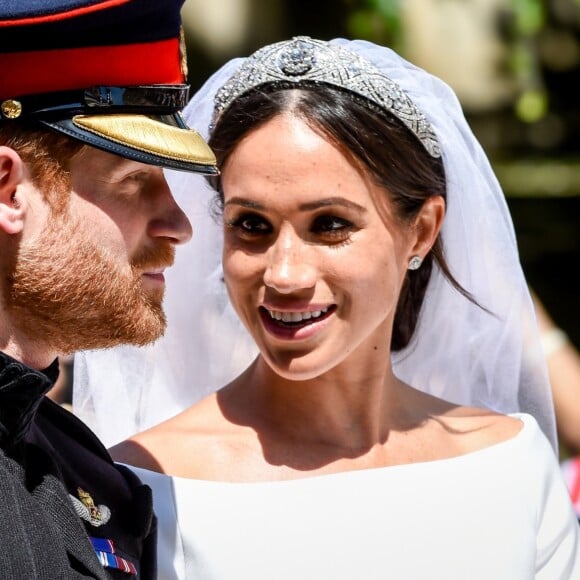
(309, 206)
(244, 203)
(329, 201)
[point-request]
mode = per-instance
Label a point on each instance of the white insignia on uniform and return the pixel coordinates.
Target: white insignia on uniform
(87, 510)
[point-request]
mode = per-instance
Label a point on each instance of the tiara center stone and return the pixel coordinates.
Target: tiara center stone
(297, 59)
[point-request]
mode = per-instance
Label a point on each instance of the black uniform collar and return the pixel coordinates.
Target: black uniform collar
(21, 392)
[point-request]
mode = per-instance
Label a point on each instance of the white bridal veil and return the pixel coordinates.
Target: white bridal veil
(459, 352)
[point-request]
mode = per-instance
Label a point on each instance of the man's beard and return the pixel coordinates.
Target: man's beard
(68, 293)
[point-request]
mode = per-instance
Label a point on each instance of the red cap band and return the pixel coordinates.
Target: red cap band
(46, 71)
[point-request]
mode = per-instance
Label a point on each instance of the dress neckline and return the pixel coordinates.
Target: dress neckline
(525, 432)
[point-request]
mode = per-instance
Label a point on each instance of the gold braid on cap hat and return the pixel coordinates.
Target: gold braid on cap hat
(304, 60)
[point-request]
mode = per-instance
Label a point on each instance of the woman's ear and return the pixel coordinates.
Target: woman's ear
(12, 208)
(427, 225)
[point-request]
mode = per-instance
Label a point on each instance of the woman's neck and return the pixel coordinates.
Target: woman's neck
(344, 408)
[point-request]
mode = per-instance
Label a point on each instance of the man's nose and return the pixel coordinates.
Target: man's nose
(171, 222)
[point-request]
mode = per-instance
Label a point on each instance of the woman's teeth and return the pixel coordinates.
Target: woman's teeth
(296, 316)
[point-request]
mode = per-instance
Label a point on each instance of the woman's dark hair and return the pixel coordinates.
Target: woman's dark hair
(394, 157)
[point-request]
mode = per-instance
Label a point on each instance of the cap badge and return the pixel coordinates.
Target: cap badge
(11, 109)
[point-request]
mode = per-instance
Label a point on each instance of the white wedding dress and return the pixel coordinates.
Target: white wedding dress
(501, 513)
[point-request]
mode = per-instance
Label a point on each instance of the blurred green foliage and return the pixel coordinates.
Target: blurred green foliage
(521, 25)
(377, 20)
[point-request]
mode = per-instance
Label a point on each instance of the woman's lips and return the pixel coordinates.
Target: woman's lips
(295, 324)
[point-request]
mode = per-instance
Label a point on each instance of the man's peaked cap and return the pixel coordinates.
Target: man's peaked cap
(110, 73)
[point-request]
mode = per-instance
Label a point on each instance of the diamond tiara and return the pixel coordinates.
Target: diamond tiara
(304, 60)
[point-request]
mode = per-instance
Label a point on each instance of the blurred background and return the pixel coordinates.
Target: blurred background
(515, 66)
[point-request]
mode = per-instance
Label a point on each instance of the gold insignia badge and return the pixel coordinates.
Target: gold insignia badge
(87, 509)
(11, 109)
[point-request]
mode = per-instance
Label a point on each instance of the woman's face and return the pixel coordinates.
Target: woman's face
(311, 268)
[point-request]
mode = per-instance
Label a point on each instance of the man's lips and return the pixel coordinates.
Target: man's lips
(154, 271)
(155, 274)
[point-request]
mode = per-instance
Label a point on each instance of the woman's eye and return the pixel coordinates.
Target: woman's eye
(329, 224)
(332, 230)
(251, 224)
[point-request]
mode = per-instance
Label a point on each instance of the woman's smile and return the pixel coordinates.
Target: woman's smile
(295, 324)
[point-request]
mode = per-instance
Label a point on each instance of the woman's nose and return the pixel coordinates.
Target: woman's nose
(290, 264)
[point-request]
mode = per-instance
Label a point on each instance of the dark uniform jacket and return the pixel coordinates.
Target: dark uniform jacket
(66, 510)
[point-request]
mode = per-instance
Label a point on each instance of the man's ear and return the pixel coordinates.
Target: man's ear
(427, 225)
(12, 203)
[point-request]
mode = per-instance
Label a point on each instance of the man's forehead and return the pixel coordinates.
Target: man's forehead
(106, 161)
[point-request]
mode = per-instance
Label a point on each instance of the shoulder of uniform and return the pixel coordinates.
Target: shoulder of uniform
(60, 424)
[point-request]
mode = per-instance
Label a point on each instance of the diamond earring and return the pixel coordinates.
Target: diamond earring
(415, 263)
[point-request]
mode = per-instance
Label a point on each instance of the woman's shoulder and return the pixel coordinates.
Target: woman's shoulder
(483, 425)
(460, 430)
(191, 441)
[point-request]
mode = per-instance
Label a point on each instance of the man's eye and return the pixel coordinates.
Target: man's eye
(136, 177)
